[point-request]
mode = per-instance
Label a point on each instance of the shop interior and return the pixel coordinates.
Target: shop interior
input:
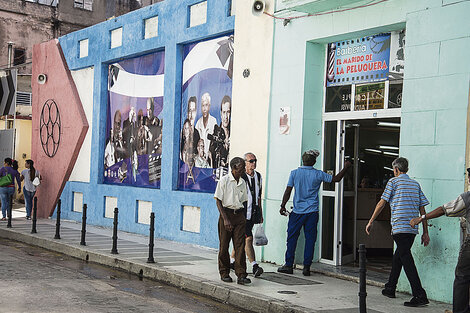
(372, 145)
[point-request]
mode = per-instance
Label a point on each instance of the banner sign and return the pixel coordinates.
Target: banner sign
(205, 114)
(359, 60)
(8, 91)
(133, 150)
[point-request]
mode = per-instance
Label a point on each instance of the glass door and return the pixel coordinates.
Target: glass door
(348, 210)
(333, 140)
(338, 206)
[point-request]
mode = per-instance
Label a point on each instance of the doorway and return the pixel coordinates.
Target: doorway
(371, 145)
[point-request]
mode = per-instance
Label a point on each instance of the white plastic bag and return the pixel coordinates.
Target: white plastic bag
(260, 237)
(36, 181)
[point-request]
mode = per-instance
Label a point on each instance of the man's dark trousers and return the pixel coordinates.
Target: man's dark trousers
(403, 258)
(462, 280)
(309, 221)
(237, 235)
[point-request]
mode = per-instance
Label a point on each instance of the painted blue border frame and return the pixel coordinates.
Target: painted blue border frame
(172, 34)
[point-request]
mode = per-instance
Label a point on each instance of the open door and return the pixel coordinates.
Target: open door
(338, 206)
(348, 210)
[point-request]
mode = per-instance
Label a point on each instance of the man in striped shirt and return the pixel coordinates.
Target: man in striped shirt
(459, 207)
(407, 201)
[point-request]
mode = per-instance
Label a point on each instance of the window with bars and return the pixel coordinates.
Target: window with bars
(83, 4)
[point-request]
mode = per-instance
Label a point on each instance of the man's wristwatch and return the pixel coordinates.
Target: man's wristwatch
(423, 217)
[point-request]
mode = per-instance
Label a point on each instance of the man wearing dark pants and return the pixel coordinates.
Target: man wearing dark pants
(231, 198)
(459, 207)
(306, 180)
(406, 202)
(254, 213)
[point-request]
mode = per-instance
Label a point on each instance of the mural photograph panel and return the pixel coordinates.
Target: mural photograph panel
(205, 113)
(133, 149)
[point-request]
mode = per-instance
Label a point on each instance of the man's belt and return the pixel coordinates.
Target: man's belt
(234, 211)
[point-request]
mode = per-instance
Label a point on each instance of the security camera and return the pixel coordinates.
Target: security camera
(258, 7)
(42, 79)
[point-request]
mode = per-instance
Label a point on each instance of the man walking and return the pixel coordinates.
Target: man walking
(459, 207)
(254, 213)
(306, 180)
(231, 198)
(406, 202)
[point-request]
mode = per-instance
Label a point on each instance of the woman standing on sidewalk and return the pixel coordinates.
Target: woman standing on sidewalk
(7, 191)
(29, 189)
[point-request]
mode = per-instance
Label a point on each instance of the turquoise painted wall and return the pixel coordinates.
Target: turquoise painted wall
(434, 111)
(173, 32)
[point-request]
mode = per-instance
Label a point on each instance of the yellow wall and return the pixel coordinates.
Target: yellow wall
(23, 142)
(250, 96)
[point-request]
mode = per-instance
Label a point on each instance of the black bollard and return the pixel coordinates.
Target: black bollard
(362, 278)
(82, 241)
(115, 224)
(9, 212)
(35, 210)
(151, 239)
(57, 223)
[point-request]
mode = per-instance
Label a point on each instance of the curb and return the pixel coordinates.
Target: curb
(217, 291)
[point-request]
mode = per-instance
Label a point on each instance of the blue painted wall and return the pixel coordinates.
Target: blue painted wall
(167, 202)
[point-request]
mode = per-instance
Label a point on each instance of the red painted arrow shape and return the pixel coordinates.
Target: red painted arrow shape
(48, 59)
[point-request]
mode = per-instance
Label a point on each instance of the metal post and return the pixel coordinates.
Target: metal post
(151, 239)
(9, 212)
(362, 278)
(57, 224)
(35, 210)
(82, 241)
(115, 224)
(10, 54)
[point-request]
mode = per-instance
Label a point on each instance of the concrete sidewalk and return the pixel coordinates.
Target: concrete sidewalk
(194, 268)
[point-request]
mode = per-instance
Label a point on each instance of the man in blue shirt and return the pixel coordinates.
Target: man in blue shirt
(306, 180)
(407, 201)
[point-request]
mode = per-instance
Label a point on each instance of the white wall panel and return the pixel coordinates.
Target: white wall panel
(84, 82)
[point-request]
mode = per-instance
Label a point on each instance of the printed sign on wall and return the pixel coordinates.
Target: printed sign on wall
(205, 113)
(359, 60)
(133, 150)
(284, 121)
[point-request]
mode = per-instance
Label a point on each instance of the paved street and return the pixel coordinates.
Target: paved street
(190, 267)
(36, 280)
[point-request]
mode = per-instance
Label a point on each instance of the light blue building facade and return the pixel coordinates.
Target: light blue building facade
(429, 127)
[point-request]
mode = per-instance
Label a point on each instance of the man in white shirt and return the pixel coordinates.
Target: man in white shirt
(254, 213)
(231, 199)
(205, 124)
